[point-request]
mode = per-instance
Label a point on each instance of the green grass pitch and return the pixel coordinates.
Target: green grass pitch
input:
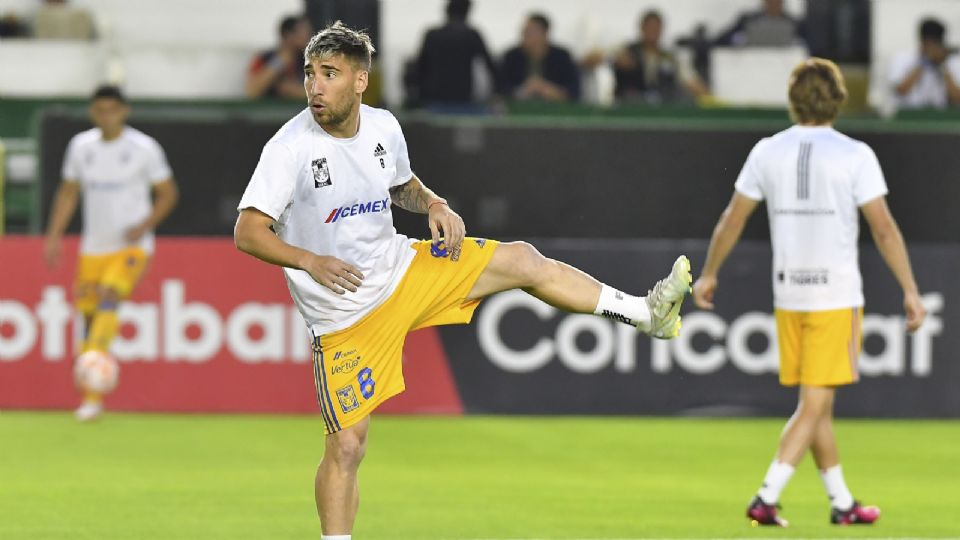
(251, 477)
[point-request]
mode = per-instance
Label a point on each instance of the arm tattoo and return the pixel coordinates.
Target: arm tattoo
(412, 196)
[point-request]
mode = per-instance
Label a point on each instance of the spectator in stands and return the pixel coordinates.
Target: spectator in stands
(279, 72)
(11, 26)
(537, 69)
(58, 20)
(928, 78)
(770, 26)
(445, 65)
(646, 72)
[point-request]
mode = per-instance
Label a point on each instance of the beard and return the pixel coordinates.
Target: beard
(334, 115)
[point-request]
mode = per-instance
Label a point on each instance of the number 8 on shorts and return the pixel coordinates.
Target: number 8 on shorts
(366, 382)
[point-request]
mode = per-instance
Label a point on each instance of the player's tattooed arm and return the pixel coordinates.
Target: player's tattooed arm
(413, 196)
(443, 222)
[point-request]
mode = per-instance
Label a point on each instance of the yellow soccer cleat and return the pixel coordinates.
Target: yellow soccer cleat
(665, 298)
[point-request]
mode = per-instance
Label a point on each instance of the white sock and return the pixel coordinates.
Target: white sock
(777, 477)
(335, 537)
(840, 496)
(623, 307)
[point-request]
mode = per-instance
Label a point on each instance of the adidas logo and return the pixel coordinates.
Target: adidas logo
(379, 151)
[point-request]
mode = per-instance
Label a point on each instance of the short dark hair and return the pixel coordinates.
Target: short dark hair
(540, 19)
(338, 38)
(289, 24)
(458, 9)
(650, 14)
(108, 91)
(932, 29)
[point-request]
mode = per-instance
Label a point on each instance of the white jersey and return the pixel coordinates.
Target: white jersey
(330, 196)
(116, 178)
(814, 180)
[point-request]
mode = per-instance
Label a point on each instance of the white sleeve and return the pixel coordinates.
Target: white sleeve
(71, 162)
(158, 169)
(901, 66)
(868, 181)
(750, 182)
(271, 188)
(404, 173)
(952, 64)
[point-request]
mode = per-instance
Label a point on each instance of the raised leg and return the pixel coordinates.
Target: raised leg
(518, 265)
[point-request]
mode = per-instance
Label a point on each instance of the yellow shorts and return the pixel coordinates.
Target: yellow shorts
(120, 271)
(358, 368)
(819, 348)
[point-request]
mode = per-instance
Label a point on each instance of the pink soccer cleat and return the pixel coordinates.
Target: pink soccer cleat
(856, 515)
(761, 513)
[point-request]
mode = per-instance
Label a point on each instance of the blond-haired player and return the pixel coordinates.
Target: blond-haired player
(814, 179)
(319, 205)
(115, 167)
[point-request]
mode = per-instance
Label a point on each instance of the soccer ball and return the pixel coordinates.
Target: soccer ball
(96, 371)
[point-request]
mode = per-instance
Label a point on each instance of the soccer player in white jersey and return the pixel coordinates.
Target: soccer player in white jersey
(814, 179)
(319, 205)
(115, 167)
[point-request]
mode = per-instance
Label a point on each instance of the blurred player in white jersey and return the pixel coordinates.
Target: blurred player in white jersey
(319, 205)
(115, 167)
(814, 179)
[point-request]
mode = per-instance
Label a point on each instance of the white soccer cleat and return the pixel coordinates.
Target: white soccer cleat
(90, 410)
(664, 301)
